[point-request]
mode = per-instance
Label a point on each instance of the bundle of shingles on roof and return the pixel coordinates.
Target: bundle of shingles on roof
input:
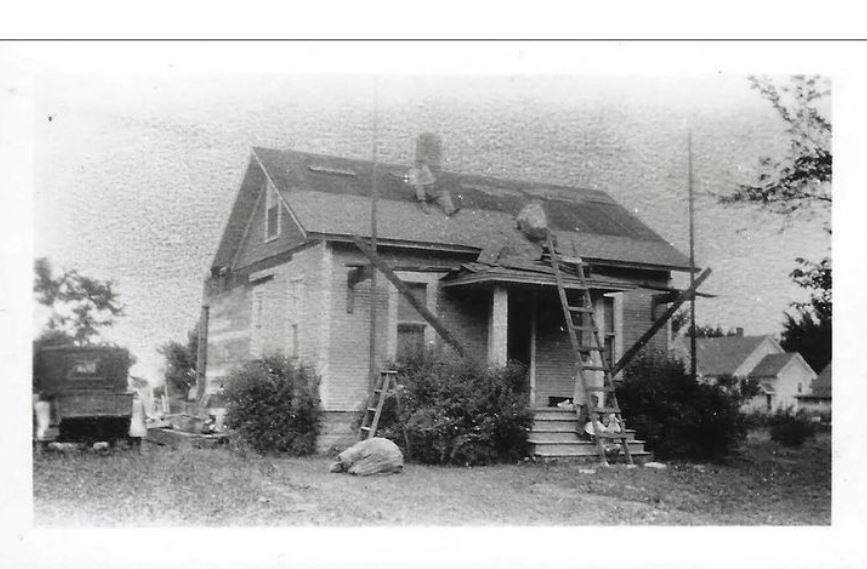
(532, 222)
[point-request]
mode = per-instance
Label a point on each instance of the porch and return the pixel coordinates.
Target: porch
(525, 324)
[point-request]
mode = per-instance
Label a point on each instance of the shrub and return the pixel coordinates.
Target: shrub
(678, 416)
(274, 406)
(790, 429)
(457, 411)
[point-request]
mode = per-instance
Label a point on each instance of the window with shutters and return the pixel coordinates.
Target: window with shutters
(272, 213)
(410, 324)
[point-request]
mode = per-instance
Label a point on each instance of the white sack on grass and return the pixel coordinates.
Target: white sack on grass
(370, 456)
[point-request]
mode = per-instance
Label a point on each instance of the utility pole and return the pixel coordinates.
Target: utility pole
(374, 198)
(692, 358)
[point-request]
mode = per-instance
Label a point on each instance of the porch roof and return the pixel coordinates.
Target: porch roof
(526, 273)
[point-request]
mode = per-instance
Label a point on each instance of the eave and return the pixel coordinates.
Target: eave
(494, 279)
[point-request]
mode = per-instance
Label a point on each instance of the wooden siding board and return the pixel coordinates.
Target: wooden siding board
(229, 330)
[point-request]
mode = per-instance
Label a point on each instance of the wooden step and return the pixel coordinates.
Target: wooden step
(605, 410)
(572, 437)
(580, 448)
(543, 434)
(582, 309)
(554, 414)
(548, 437)
(553, 424)
(613, 436)
(638, 456)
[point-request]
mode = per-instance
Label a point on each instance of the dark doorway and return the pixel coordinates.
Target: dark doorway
(520, 324)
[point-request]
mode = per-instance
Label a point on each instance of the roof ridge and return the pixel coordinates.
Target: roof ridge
(545, 185)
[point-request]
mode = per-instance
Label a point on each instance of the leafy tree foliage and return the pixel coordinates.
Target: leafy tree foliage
(80, 305)
(808, 331)
(802, 179)
(274, 405)
(50, 338)
(679, 416)
(458, 411)
(800, 182)
(680, 321)
(180, 370)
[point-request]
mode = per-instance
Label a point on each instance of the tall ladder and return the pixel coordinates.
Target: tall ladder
(587, 323)
(386, 387)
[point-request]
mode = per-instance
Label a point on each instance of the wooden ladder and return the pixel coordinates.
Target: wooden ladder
(386, 387)
(587, 323)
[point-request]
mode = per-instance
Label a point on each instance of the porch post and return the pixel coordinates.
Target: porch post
(534, 307)
(618, 328)
(498, 327)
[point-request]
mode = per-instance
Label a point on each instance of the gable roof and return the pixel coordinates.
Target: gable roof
(772, 364)
(331, 196)
(723, 356)
(821, 388)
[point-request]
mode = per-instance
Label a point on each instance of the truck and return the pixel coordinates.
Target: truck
(80, 393)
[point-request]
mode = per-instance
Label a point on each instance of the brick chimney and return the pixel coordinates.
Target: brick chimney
(429, 147)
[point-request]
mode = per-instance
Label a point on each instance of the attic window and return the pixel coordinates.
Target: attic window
(272, 213)
(332, 171)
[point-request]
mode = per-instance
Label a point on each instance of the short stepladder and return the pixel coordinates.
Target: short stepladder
(386, 387)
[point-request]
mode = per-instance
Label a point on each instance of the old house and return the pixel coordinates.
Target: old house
(781, 376)
(287, 277)
(817, 400)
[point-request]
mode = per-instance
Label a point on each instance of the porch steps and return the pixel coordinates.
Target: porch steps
(555, 435)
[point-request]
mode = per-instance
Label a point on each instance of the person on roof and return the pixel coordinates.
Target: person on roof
(422, 180)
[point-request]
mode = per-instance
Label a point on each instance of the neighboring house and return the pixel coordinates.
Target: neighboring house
(781, 376)
(287, 277)
(818, 399)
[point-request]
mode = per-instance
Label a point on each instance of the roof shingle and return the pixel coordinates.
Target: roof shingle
(331, 195)
(772, 364)
(723, 356)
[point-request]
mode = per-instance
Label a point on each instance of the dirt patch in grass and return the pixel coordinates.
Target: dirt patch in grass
(763, 484)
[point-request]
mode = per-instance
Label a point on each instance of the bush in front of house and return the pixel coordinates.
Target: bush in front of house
(790, 429)
(458, 411)
(678, 416)
(273, 405)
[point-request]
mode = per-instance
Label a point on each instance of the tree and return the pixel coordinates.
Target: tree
(808, 332)
(800, 182)
(680, 321)
(80, 305)
(180, 370)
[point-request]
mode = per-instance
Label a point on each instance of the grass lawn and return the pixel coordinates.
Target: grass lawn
(763, 484)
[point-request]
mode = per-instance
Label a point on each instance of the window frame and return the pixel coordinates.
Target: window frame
(294, 313)
(431, 282)
(272, 201)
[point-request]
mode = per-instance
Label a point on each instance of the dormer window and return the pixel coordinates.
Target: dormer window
(272, 213)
